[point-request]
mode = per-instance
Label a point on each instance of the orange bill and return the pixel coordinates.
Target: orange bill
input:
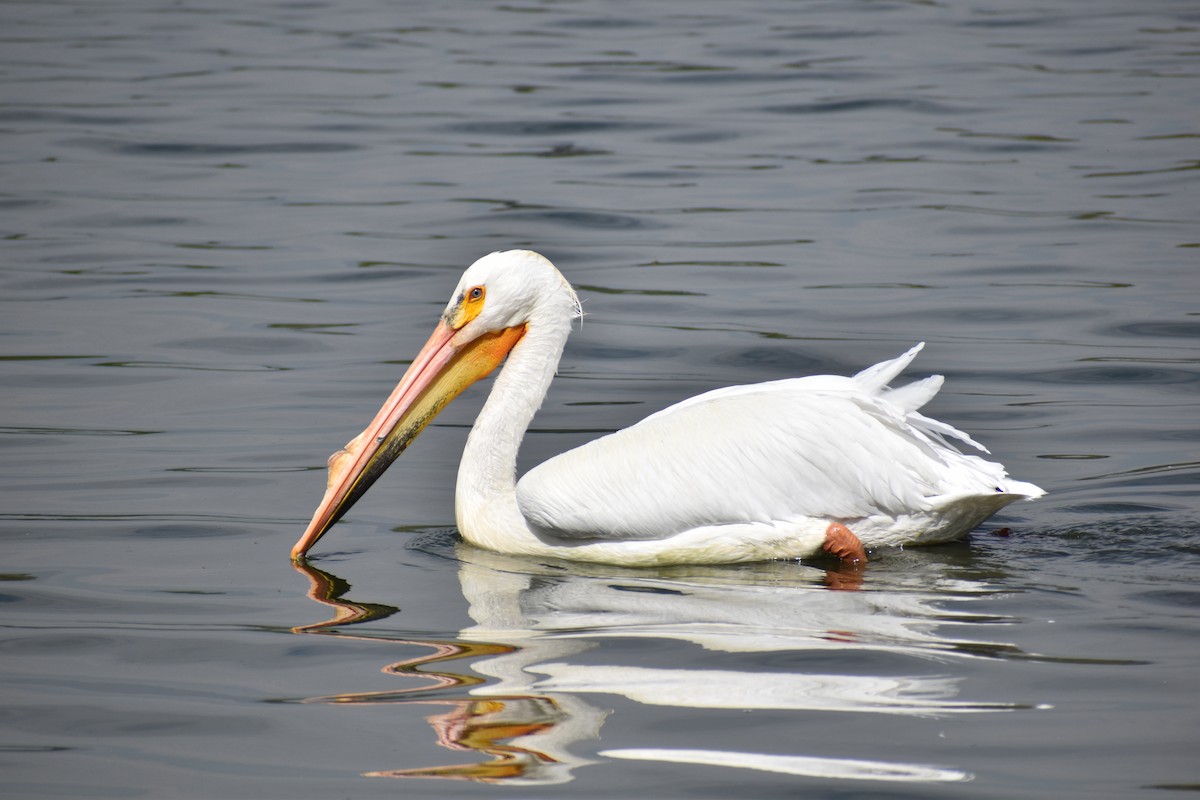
(448, 363)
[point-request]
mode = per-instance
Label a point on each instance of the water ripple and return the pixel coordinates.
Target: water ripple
(913, 104)
(1093, 376)
(209, 149)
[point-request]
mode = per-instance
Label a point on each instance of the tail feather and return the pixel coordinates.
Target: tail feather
(1023, 489)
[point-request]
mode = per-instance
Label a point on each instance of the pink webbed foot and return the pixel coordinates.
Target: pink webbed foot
(840, 541)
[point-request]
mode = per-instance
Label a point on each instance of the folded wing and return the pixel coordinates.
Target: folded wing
(826, 447)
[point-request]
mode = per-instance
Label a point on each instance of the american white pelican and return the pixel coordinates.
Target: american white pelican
(783, 469)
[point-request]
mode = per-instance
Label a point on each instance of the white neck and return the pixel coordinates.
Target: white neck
(485, 497)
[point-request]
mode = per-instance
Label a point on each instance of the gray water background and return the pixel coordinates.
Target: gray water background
(227, 226)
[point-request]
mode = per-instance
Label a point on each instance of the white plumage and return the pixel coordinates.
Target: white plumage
(737, 474)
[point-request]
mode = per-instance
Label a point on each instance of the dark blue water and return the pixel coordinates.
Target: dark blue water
(226, 227)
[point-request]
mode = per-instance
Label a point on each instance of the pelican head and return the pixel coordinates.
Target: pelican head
(496, 301)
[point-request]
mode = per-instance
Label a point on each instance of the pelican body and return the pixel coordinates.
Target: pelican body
(784, 469)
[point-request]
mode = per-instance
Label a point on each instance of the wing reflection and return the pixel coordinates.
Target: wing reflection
(846, 768)
(519, 698)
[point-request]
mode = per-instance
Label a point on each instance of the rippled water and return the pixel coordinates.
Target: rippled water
(227, 226)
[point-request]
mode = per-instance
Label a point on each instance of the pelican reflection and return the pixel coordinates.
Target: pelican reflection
(514, 689)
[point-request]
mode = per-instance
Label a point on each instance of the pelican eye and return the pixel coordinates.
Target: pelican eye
(468, 307)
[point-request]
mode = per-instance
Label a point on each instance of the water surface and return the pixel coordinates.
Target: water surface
(227, 227)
